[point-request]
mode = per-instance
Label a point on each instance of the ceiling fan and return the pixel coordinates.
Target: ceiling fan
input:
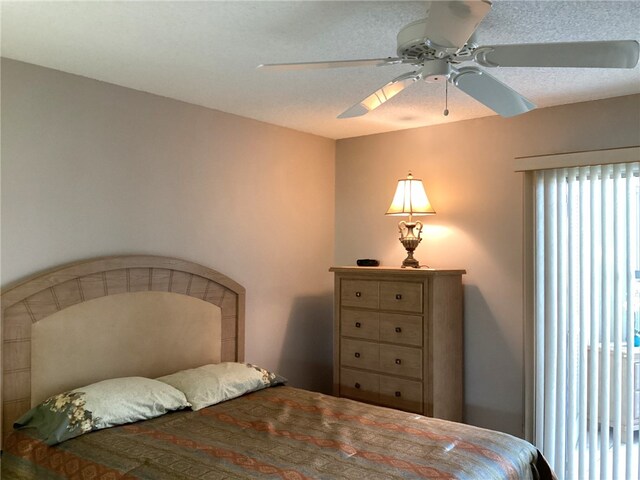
(438, 44)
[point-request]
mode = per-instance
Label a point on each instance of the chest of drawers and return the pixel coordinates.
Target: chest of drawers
(398, 338)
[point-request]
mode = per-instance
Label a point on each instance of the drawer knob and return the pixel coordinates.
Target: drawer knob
(398, 394)
(357, 354)
(398, 296)
(358, 294)
(358, 325)
(398, 330)
(398, 361)
(357, 385)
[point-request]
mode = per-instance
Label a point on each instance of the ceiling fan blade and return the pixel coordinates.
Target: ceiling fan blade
(373, 62)
(491, 92)
(381, 95)
(610, 54)
(450, 24)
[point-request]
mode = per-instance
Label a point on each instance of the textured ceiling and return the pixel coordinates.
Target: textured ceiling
(206, 53)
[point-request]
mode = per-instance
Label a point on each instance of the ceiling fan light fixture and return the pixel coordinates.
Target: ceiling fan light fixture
(436, 71)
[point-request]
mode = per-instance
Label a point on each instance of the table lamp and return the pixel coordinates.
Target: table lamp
(410, 199)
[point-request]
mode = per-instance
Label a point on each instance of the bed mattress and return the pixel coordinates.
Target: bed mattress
(280, 432)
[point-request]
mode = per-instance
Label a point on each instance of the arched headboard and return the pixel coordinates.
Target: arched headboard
(48, 293)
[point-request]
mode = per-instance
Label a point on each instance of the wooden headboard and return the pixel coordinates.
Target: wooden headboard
(47, 293)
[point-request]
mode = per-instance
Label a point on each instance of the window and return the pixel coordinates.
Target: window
(586, 319)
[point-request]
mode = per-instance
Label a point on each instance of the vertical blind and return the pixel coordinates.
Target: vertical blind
(586, 314)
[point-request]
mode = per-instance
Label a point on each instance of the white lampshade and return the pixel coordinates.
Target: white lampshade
(410, 198)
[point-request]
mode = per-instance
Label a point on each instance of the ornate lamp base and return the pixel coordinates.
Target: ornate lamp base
(410, 262)
(410, 242)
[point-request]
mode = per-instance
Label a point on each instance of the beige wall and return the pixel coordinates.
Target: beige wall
(92, 169)
(467, 168)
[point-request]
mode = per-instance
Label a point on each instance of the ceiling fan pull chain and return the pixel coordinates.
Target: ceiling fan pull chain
(446, 98)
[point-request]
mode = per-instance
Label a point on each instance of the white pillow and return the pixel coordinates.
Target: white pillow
(215, 383)
(100, 405)
(130, 399)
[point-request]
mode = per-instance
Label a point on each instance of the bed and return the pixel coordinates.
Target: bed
(150, 316)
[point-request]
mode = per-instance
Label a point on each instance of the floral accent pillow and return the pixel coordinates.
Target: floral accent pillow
(100, 405)
(215, 383)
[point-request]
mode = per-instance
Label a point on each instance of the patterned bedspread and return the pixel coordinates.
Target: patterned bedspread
(280, 432)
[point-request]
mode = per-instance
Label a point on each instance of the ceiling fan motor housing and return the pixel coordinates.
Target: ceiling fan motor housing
(414, 42)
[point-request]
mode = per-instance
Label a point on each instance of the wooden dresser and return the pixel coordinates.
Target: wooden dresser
(398, 338)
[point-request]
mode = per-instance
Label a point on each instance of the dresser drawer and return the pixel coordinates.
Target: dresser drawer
(398, 328)
(401, 296)
(403, 361)
(401, 394)
(359, 385)
(359, 324)
(359, 293)
(359, 354)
